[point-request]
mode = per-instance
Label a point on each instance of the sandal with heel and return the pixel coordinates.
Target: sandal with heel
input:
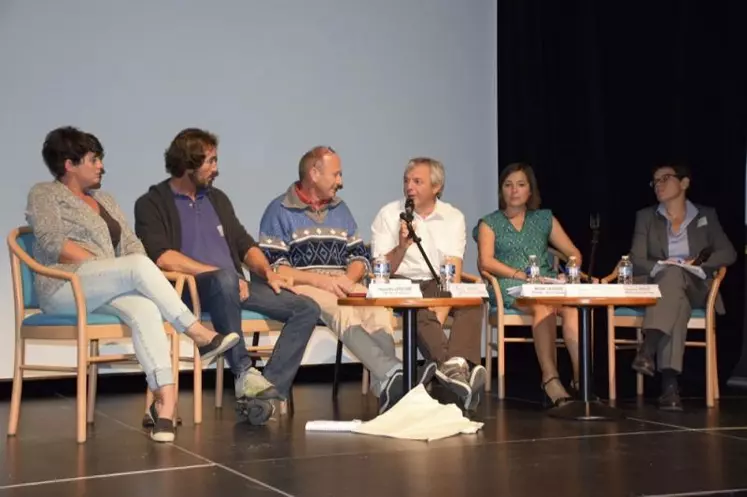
(547, 401)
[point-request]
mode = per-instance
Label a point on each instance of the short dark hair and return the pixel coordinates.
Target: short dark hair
(681, 170)
(68, 143)
(312, 158)
(534, 198)
(188, 150)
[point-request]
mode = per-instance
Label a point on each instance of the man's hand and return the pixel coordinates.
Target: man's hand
(243, 289)
(278, 281)
(338, 285)
(404, 235)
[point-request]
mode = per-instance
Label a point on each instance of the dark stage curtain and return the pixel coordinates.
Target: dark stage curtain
(594, 94)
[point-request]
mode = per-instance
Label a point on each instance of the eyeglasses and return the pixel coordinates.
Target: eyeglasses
(662, 179)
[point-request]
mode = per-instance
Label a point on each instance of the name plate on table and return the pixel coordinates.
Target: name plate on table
(586, 291)
(394, 289)
(468, 290)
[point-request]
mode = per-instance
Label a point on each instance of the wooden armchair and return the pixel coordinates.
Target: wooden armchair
(86, 328)
(700, 319)
(498, 318)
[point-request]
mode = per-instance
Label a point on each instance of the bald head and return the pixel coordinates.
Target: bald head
(312, 158)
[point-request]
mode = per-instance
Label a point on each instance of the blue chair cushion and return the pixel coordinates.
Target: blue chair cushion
(245, 316)
(511, 311)
(93, 319)
(640, 312)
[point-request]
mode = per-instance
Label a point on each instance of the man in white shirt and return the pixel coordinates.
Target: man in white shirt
(443, 232)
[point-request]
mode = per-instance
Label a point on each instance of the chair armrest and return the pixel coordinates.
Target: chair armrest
(470, 278)
(718, 277)
(179, 280)
(610, 277)
(493, 281)
(36, 267)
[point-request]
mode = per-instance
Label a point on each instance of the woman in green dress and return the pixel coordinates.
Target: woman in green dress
(505, 240)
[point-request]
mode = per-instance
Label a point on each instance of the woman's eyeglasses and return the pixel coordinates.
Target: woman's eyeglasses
(662, 179)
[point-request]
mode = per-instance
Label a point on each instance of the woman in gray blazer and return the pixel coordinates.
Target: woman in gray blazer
(80, 229)
(675, 230)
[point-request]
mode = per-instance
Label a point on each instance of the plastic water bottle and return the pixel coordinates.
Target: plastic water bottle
(381, 269)
(572, 274)
(533, 271)
(447, 273)
(625, 271)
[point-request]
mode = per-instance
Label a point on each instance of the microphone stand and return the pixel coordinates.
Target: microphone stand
(415, 238)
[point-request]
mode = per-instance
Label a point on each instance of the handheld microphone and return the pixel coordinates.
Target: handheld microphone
(409, 208)
(703, 256)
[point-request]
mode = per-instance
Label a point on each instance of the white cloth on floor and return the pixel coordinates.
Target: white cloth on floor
(417, 416)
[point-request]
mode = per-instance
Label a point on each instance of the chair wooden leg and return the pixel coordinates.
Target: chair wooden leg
(336, 374)
(365, 380)
(93, 376)
(501, 361)
(175, 371)
(197, 385)
(15, 398)
(611, 358)
(488, 349)
(80, 411)
(710, 394)
(220, 371)
(716, 392)
(639, 376)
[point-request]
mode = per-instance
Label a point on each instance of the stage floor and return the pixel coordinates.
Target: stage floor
(520, 452)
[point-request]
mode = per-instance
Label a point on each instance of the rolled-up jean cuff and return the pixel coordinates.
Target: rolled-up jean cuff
(160, 377)
(184, 321)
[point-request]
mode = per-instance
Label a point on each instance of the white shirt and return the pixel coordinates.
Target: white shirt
(443, 234)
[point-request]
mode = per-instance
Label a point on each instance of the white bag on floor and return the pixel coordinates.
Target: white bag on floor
(417, 416)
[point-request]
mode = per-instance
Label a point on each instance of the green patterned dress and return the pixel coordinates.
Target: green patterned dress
(513, 247)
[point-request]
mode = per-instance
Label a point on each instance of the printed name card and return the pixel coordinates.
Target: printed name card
(587, 291)
(394, 289)
(542, 291)
(468, 290)
(647, 291)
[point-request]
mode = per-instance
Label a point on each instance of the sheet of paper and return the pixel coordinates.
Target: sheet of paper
(696, 270)
(328, 425)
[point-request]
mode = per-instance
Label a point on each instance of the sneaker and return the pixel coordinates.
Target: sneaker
(251, 384)
(392, 392)
(394, 389)
(217, 346)
(163, 429)
(477, 379)
(454, 374)
(254, 411)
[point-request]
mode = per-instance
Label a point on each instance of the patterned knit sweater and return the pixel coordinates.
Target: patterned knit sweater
(327, 241)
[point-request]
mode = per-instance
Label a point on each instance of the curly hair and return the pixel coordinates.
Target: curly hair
(188, 150)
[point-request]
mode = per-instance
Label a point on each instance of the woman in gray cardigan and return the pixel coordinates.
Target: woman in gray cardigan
(80, 229)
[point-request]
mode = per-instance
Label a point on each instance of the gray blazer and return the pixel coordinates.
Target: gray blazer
(55, 214)
(651, 243)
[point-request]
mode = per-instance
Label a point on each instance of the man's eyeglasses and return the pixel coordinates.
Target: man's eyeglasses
(662, 179)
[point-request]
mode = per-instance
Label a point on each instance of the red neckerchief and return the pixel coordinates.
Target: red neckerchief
(317, 206)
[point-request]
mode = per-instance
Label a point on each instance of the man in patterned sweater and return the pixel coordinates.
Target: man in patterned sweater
(309, 234)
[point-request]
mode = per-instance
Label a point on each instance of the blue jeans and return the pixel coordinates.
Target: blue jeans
(219, 295)
(135, 290)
